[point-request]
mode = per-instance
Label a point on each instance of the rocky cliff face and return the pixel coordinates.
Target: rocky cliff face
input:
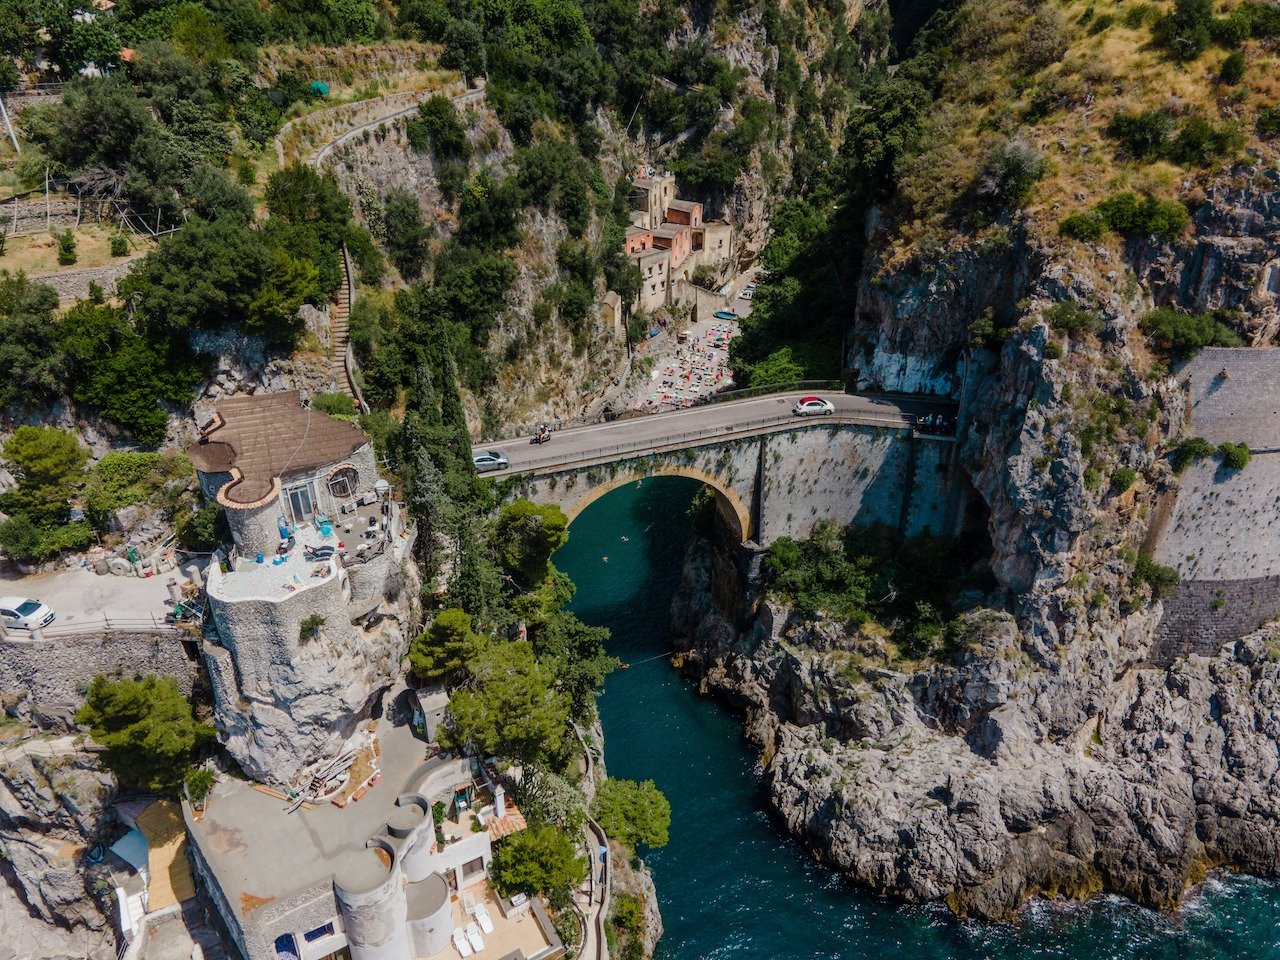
(544, 372)
(1049, 756)
(52, 809)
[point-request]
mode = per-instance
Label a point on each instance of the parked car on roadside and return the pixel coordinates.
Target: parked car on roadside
(813, 407)
(486, 460)
(24, 613)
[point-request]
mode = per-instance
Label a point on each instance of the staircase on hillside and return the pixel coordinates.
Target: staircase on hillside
(339, 313)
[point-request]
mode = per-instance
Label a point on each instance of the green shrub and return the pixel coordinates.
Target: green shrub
(66, 247)
(1235, 456)
(203, 529)
(1268, 123)
(1143, 134)
(123, 478)
(627, 914)
(1087, 225)
(1185, 334)
(119, 245)
(1198, 143)
(438, 129)
(309, 629)
(334, 403)
(1190, 450)
(1233, 68)
(1070, 317)
(1185, 31)
(1131, 214)
(1123, 478)
(1161, 579)
(199, 782)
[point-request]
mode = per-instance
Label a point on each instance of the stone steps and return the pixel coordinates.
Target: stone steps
(339, 312)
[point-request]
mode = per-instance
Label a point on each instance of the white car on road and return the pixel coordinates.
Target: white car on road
(24, 613)
(486, 460)
(813, 407)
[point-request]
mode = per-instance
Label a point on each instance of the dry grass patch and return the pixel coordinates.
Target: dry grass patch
(37, 254)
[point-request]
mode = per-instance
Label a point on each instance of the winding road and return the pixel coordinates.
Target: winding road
(661, 432)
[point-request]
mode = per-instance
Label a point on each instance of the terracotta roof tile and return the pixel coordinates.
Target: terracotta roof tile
(268, 437)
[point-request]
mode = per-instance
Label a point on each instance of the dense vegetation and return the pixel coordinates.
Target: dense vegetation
(50, 467)
(870, 576)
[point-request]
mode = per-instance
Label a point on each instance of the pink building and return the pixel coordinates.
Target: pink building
(638, 240)
(677, 238)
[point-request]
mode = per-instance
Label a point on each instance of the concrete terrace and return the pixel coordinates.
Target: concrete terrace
(262, 853)
(269, 580)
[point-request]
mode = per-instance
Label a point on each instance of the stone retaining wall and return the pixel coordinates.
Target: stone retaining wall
(1204, 615)
(74, 284)
(48, 677)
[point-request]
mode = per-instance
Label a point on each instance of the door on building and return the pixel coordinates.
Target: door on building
(302, 502)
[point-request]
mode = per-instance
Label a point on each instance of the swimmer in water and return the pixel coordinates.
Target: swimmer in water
(626, 539)
(605, 559)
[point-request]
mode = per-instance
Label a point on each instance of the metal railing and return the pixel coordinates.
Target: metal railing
(602, 941)
(733, 431)
(745, 393)
(108, 624)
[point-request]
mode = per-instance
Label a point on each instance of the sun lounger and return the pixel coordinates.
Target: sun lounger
(483, 918)
(460, 943)
(474, 938)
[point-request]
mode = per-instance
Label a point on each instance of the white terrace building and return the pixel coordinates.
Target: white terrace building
(379, 878)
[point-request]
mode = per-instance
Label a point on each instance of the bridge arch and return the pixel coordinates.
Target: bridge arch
(733, 511)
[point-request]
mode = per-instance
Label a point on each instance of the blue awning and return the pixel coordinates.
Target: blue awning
(132, 849)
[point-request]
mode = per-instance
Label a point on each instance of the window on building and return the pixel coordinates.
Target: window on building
(472, 869)
(311, 936)
(286, 947)
(302, 501)
(342, 482)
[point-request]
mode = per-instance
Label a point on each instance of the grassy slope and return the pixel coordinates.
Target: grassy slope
(985, 96)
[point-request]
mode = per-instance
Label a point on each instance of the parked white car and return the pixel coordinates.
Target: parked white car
(24, 613)
(813, 407)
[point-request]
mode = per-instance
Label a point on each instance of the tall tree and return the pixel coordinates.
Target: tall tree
(146, 727)
(512, 709)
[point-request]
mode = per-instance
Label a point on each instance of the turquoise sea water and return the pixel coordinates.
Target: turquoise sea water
(730, 883)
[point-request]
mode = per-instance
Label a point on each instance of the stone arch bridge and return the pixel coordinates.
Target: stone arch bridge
(772, 475)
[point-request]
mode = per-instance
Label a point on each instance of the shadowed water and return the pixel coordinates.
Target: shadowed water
(730, 883)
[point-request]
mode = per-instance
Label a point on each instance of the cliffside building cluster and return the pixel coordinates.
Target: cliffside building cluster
(308, 610)
(361, 839)
(669, 238)
(398, 873)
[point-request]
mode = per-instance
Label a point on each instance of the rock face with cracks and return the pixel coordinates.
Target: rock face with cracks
(52, 809)
(1055, 750)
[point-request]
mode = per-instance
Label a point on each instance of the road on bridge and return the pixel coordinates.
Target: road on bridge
(654, 433)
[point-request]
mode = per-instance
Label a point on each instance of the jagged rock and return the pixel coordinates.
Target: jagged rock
(52, 809)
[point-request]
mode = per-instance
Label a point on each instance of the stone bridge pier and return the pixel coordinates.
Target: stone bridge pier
(784, 482)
